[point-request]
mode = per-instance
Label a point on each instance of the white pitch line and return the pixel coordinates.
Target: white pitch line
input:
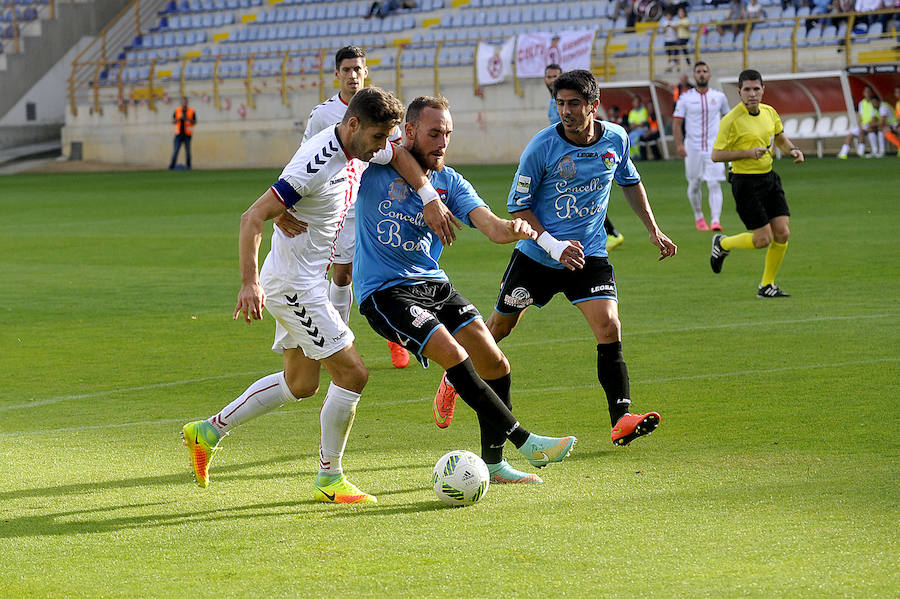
(530, 391)
(53, 400)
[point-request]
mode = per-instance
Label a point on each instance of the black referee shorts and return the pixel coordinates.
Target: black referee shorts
(758, 198)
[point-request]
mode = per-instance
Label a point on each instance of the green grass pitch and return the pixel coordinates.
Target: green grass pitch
(774, 472)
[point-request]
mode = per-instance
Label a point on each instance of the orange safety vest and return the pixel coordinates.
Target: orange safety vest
(188, 121)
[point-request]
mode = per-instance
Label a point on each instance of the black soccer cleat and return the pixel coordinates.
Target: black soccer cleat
(772, 290)
(718, 254)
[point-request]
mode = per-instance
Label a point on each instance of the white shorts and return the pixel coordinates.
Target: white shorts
(305, 319)
(699, 165)
(346, 239)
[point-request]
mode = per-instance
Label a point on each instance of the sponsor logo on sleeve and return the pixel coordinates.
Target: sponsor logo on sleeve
(523, 184)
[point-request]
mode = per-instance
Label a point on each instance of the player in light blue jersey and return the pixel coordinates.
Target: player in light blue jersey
(562, 189)
(407, 297)
(551, 72)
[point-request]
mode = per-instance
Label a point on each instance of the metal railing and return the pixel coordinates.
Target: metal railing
(13, 44)
(302, 69)
(119, 33)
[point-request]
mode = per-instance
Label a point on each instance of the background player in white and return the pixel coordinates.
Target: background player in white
(407, 297)
(562, 189)
(699, 111)
(317, 186)
(351, 71)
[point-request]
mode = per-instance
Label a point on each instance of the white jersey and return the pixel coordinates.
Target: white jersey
(318, 186)
(702, 114)
(330, 112)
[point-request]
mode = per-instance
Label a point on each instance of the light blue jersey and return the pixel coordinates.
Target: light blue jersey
(552, 112)
(567, 187)
(394, 246)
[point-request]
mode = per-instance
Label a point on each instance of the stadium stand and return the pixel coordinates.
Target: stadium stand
(236, 52)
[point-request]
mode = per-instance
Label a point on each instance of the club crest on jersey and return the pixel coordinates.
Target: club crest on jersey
(442, 193)
(610, 160)
(397, 190)
(567, 168)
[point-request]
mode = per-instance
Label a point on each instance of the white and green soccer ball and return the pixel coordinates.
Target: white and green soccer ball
(460, 478)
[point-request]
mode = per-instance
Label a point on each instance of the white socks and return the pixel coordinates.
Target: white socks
(342, 299)
(715, 201)
(265, 395)
(695, 195)
(336, 419)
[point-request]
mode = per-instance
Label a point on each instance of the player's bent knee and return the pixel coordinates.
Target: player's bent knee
(500, 330)
(353, 379)
(302, 389)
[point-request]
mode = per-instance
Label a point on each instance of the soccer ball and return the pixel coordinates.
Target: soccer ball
(460, 478)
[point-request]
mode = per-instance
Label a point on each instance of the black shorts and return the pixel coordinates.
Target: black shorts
(410, 314)
(758, 198)
(527, 282)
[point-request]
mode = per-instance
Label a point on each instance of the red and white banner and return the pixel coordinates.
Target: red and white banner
(569, 49)
(494, 62)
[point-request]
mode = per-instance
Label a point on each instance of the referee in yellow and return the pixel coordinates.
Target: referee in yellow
(745, 139)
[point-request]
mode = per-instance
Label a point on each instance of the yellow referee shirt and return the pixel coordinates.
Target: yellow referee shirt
(740, 130)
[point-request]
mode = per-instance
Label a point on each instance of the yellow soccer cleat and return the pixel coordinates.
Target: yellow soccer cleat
(614, 241)
(202, 442)
(342, 491)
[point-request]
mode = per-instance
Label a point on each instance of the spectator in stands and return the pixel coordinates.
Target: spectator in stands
(670, 39)
(184, 119)
(638, 124)
(384, 9)
(754, 11)
(551, 72)
(735, 14)
(683, 30)
(863, 19)
(841, 7)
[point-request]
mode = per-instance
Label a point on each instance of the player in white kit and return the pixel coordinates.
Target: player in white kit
(700, 110)
(317, 187)
(350, 70)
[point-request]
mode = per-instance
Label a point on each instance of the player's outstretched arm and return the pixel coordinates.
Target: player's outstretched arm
(786, 146)
(251, 298)
(569, 253)
(437, 216)
(500, 230)
(636, 196)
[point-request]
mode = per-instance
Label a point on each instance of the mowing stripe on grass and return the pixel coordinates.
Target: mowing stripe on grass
(530, 391)
(53, 400)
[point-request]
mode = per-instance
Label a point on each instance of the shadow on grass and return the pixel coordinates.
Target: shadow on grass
(56, 524)
(225, 473)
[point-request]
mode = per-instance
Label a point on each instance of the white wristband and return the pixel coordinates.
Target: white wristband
(428, 194)
(552, 245)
